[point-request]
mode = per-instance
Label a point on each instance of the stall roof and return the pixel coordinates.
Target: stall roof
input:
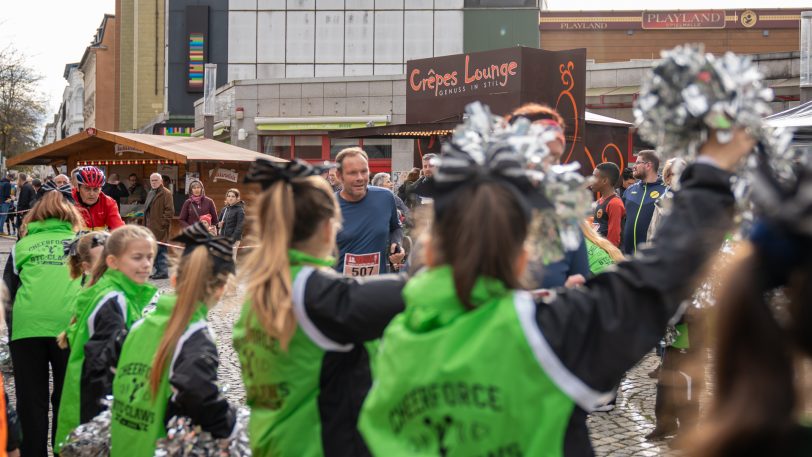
(179, 149)
(443, 128)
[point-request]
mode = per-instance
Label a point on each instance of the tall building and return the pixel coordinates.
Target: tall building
(98, 65)
(141, 61)
(336, 38)
(70, 117)
(197, 33)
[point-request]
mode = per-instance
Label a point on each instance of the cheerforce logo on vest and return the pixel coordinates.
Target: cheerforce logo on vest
(455, 424)
(136, 380)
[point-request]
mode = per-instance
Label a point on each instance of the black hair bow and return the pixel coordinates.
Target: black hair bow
(458, 169)
(71, 246)
(219, 247)
(266, 172)
(66, 190)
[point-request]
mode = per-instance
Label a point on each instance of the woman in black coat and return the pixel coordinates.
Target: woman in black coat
(231, 217)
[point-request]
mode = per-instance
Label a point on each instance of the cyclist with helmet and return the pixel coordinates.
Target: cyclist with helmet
(99, 211)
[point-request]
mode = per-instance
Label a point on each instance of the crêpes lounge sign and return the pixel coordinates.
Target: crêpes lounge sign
(471, 77)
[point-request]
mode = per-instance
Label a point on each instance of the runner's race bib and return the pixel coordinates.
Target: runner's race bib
(362, 264)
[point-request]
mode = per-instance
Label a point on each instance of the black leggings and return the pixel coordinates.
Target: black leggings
(31, 358)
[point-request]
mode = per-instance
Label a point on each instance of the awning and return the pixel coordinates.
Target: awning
(319, 123)
(95, 144)
(444, 128)
(404, 131)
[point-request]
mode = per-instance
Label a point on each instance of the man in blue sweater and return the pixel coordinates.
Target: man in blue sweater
(371, 235)
(639, 199)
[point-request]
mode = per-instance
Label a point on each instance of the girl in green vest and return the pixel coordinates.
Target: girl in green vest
(474, 366)
(83, 252)
(168, 364)
(40, 312)
(301, 333)
(116, 297)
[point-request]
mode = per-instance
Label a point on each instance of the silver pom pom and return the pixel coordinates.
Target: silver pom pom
(186, 440)
(689, 93)
(91, 439)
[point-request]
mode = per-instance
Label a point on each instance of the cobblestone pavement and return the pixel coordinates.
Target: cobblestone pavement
(622, 431)
(616, 433)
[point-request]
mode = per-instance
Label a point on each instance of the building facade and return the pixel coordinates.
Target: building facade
(613, 87)
(334, 38)
(140, 71)
(291, 117)
(619, 36)
(71, 118)
(98, 67)
(197, 33)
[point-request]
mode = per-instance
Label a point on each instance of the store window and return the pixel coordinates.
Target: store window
(277, 146)
(377, 148)
(320, 147)
(337, 144)
(307, 147)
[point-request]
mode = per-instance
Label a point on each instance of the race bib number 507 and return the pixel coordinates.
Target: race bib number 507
(362, 264)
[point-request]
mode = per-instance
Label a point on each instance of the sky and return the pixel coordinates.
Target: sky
(52, 33)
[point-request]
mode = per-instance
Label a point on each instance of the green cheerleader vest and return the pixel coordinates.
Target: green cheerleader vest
(138, 419)
(452, 382)
(42, 307)
(114, 284)
(282, 387)
(682, 341)
(599, 259)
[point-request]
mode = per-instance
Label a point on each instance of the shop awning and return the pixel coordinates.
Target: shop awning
(135, 148)
(444, 128)
(403, 131)
(283, 124)
(798, 118)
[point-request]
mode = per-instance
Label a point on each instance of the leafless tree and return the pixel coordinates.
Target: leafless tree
(22, 106)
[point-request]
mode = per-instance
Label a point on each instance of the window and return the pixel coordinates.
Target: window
(307, 147)
(337, 144)
(377, 148)
(277, 146)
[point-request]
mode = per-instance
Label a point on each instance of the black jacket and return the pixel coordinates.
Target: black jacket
(598, 332)
(26, 198)
(232, 218)
(347, 312)
(193, 377)
(116, 192)
(102, 351)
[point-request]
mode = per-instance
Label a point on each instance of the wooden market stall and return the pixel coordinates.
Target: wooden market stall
(219, 166)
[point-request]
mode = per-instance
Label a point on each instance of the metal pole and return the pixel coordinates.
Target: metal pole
(209, 100)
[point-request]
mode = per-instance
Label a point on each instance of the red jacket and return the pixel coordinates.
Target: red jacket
(101, 215)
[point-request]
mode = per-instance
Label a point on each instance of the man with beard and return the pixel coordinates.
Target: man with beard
(639, 199)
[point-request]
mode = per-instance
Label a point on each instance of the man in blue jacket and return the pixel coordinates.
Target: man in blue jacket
(639, 199)
(5, 198)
